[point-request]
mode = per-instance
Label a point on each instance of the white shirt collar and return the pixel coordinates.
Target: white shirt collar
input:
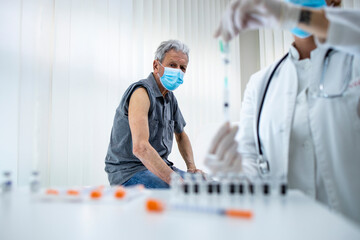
(295, 56)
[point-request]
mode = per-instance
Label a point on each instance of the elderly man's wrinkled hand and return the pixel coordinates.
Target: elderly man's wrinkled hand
(198, 171)
(223, 155)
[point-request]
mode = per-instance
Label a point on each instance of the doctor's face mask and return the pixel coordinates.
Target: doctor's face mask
(306, 3)
(172, 78)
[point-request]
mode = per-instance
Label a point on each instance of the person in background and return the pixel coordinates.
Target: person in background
(300, 117)
(145, 123)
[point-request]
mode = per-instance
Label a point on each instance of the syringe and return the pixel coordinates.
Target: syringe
(224, 48)
(155, 205)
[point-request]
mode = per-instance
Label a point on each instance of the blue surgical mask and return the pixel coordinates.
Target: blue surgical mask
(172, 78)
(306, 3)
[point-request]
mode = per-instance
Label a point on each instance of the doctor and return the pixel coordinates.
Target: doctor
(300, 116)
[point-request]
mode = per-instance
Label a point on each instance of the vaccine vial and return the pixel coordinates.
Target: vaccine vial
(241, 184)
(187, 184)
(266, 187)
(254, 188)
(251, 187)
(175, 187)
(197, 183)
(7, 183)
(283, 185)
(34, 182)
(217, 185)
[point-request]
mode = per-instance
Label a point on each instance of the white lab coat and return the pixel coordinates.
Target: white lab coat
(334, 123)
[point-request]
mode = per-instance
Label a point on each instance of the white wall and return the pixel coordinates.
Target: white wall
(64, 66)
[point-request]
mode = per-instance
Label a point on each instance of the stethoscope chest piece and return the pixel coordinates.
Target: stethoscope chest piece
(263, 165)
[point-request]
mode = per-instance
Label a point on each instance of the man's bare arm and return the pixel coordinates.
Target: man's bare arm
(138, 120)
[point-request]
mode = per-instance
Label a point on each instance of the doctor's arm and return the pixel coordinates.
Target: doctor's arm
(139, 106)
(333, 26)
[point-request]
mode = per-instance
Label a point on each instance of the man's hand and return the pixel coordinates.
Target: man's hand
(254, 14)
(333, 3)
(198, 171)
(195, 170)
(223, 155)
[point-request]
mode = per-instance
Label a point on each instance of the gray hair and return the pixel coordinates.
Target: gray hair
(167, 46)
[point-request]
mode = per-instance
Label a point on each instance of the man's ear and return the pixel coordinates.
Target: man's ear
(155, 65)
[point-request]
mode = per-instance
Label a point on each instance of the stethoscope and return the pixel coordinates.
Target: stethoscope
(262, 163)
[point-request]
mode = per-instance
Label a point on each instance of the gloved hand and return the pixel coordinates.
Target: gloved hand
(223, 155)
(254, 14)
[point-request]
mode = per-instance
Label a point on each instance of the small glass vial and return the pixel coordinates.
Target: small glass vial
(283, 185)
(198, 183)
(175, 187)
(266, 186)
(187, 184)
(34, 182)
(6, 185)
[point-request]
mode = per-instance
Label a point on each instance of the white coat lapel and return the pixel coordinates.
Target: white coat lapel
(276, 117)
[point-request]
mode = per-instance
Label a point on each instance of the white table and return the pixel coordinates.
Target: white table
(299, 217)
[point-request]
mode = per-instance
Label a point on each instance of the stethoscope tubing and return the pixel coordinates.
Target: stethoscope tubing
(326, 62)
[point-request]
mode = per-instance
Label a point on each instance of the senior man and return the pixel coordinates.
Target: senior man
(145, 123)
